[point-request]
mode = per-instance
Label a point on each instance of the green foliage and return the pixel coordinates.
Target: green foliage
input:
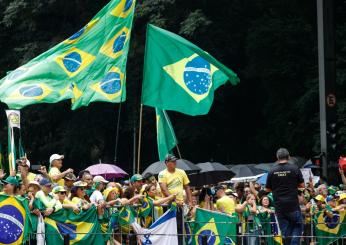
(270, 44)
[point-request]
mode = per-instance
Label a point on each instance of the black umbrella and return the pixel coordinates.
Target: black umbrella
(157, 167)
(211, 173)
(299, 161)
(246, 173)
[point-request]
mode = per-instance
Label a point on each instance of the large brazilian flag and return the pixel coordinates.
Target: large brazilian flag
(83, 228)
(330, 229)
(219, 228)
(180, 76)
(88, 66)
(14, 220)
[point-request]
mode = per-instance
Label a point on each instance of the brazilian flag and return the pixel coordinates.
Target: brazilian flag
(14, 220)
(166, 139)
(180, 76)
(88, 66)
(83, 228)
(218, 227)
(328, 229)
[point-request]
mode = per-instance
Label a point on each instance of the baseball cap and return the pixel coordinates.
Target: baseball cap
(220, 187)
(80, 184)
(320, 198)
(45, 181)
(136, 177)
(329, 198)
(34, 182)
(58, 188)
(331, 190)
(342, 196)
(55, 157)
(170, 158)
(12, 180)
(70, 176)
(99, 178)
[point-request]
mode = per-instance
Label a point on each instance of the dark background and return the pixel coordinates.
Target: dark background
(270, 44)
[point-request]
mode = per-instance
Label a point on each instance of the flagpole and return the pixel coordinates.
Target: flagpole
(13, 160)
(117, 135)
(178, 151)
(139, 138)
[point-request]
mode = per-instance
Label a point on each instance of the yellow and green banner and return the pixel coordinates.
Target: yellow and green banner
(88, 66)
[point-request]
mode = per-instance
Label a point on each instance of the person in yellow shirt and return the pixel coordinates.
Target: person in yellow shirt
(173, 181)
(224, 203)
(55, 174)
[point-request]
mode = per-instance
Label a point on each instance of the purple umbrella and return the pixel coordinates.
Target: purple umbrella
(108, 171)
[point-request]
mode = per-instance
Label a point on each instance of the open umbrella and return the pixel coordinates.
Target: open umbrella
(246, 173)
(108, 171)
(263, 179)
(157, 167)
(299, 161)
(211, 173)
(265, 166)
(236, 167)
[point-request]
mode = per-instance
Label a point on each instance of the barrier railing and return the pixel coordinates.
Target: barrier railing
(242, 237)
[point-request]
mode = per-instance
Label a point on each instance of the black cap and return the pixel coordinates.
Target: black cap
(219, 187)
(170, 158)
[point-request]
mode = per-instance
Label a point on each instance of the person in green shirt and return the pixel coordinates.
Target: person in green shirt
(266, 216)
(249, 212)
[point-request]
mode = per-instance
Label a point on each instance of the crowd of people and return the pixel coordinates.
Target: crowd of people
(285, 199)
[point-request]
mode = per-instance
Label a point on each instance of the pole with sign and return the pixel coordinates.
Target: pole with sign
(13, 120)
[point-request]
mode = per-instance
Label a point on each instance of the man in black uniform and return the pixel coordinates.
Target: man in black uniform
(283, 180)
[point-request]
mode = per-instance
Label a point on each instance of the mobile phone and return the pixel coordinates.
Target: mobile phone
(35, 167)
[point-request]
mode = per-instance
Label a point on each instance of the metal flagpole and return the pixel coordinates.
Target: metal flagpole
(139, 138)
(134, 149)
(117, 135)
(178, 151)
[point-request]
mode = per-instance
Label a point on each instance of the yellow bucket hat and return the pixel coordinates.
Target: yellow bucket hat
(109, 190)
(320, 198)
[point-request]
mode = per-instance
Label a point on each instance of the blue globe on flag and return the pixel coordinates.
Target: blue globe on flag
(118, 44)
(111, 83)
(211, 238)
(31, 91)
(77, 34)
(72, 61)
(333, 222)
(11, 223)
(197, 75)
(128, 5)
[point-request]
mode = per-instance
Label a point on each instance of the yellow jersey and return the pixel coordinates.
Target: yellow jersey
(175, 182)
(226, 205)
(55, 171)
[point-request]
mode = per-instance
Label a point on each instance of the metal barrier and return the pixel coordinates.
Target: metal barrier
(243, 237)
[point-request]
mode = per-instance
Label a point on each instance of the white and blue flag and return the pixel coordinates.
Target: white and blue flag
(162, 231)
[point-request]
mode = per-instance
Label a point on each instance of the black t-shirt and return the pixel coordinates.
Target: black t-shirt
(284, 179)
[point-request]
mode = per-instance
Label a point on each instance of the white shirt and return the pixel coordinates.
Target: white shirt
(96, 197)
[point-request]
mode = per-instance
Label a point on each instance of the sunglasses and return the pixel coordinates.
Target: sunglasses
(62, 193)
